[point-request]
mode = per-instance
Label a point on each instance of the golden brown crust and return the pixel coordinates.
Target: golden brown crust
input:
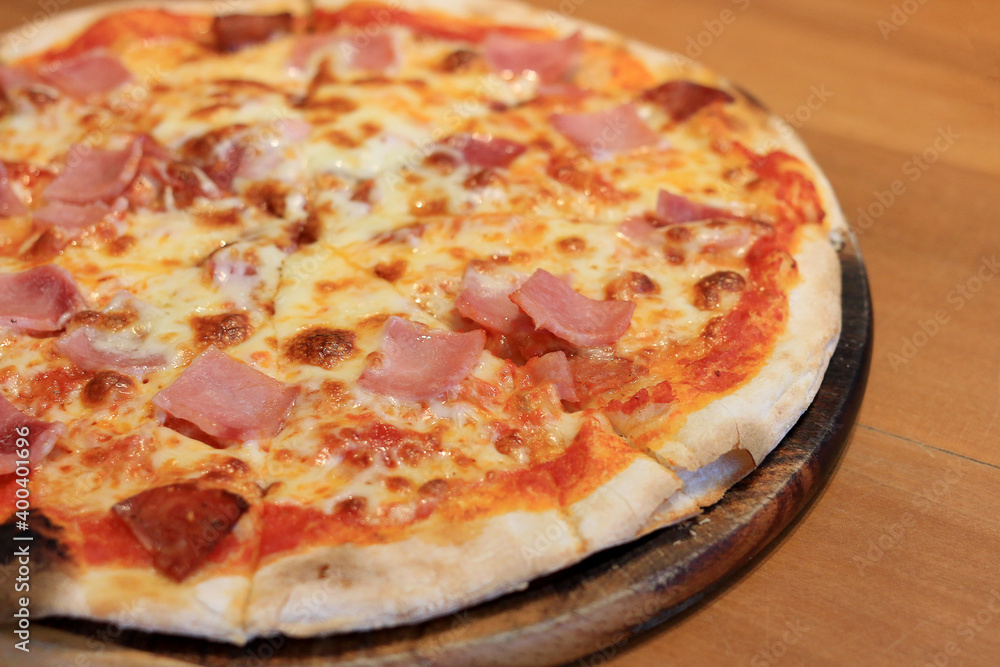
(439, 568)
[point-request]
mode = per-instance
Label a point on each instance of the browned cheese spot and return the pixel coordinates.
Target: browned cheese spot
(458, 61)
(442, 162)
(479, 179)
(437, 206)
(321, 346)
(435, 488)
(107, 387)
(397, 484)
(573, 245)
(363, 192)
(709, 289)
(269, 197)
(230, 470)
(629, 285)
(391, 271)
(352, 507)
(224, 330)
(334, 105)
(310, 230)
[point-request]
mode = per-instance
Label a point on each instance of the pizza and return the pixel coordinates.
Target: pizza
(322, 317)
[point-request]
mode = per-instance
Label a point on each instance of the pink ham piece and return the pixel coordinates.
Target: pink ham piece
(41, 437)
(88, 75)
(309, 45)
(94, 174)
(484, 299)
(553, 368)
(14, 78)
(613, 131)
(555, 306)
(415, 363)
(672, 209)
(70, 217)
(227, 399)
(638, 231)
(10, 204)
(486, 151)
(259, 152)
(683, 99)
(94, 350)
(375, 53)
(552, 61)
(40, 300)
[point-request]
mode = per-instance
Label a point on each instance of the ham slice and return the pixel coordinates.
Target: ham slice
(227, 399)
(259, 153)
(672, 209)
(70, 217)
(555, 306)
(14, 78)
(415, 363)
(638, 231)
(95, 350)
(10, 203)
(486, 151)
(94, 174)
(551, 61)
(234, 32)
(181, 524)
(41, 299)
(307, 46)
(88, 75)
(683, 99)
(375, 53)
(613, 131)
(484, 299)
(41, 437)
(553, 368)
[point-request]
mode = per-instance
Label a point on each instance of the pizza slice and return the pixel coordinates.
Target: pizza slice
(418, 472)
(150, 396)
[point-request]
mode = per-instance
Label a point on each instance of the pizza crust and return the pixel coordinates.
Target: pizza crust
(145, 600)
(348, 586)
(785, 386)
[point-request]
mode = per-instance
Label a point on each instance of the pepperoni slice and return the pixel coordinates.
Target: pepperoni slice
(180, 524)
(683, 99)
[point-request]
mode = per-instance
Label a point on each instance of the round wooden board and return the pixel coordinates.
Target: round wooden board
(597, 606)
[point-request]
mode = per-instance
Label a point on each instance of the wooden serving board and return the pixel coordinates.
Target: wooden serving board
(594, 607)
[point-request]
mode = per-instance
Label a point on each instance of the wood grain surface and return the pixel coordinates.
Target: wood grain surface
(899, 561)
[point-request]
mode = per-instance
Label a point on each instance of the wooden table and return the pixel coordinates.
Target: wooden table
(898, 562)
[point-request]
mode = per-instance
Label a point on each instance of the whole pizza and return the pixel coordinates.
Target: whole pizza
(318, 317)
